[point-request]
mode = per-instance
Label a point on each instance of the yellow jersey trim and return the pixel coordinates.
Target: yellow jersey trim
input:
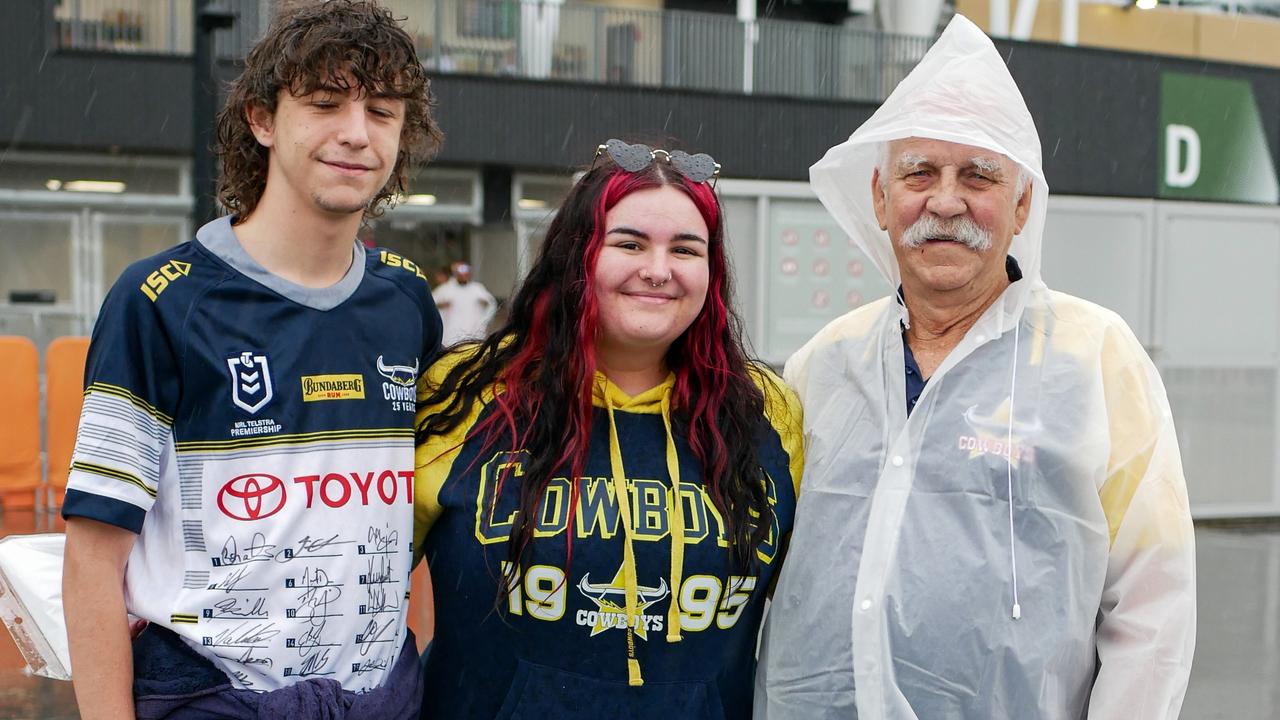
(294, 439)
(143, 405)
(114, 474)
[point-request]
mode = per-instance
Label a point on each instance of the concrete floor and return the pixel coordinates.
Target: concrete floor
(1237, 665)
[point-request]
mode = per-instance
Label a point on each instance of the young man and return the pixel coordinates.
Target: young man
(243, 475)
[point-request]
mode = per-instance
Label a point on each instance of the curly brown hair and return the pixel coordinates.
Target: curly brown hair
(311, 46)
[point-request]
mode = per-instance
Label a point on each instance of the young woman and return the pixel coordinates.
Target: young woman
(604, 483)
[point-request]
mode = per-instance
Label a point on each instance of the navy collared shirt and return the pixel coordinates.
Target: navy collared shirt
(915, 380)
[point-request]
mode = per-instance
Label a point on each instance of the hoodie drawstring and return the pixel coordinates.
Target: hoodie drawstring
(676, 522)
(1013, 553)
(628, 550)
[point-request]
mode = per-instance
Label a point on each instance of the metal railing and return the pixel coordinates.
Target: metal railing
(543, 39)
(143, 26)
(659, 48)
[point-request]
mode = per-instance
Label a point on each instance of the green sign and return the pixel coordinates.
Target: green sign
(1212, 145)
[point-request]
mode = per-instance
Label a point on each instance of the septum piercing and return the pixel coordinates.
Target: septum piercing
(653, 284)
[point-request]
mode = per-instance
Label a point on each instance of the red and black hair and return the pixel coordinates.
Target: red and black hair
(543, 359)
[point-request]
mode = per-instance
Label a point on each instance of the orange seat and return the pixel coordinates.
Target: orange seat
(19, 423)
(63, 396)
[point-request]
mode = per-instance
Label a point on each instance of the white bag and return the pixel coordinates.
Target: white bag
(31, 601)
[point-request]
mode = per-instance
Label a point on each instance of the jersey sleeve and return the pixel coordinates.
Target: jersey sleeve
(409, 278)
(432, 330)
(132, 383)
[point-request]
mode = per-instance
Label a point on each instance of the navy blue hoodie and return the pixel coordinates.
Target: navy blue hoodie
(560, 645)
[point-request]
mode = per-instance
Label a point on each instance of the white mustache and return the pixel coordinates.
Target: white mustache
(962, 229)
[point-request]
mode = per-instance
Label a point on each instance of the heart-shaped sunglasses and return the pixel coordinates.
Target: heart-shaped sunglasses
(633, 158)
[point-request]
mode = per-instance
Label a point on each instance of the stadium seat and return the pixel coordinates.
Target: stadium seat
(19, 422)
(63, 396)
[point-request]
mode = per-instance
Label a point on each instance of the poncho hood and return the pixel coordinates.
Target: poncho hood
(960, 92)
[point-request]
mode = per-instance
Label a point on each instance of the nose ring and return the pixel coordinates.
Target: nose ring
(652, 284)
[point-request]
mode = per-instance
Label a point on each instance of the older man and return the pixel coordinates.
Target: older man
(994, 520)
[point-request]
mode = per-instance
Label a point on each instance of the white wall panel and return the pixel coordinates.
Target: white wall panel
(1217, 329)
(1100, 249)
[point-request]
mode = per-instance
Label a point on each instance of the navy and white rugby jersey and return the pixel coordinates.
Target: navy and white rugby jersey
(258, 435)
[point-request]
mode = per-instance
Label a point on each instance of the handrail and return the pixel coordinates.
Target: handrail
(550, 39)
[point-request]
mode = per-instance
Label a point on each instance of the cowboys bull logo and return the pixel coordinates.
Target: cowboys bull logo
(611, 603)
(398, 374)
(250, 381)
(251, 497)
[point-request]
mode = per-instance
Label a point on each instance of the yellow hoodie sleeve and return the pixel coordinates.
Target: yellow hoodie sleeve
(782, 408)
(435, 455)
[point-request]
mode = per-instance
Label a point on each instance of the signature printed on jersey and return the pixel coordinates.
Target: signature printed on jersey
(257, 626)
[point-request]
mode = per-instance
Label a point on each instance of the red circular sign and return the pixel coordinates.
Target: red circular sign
(251, 497)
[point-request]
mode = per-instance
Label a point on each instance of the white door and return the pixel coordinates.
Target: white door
(1217, 327)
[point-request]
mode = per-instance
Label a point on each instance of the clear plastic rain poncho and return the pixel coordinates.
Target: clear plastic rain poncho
(1027, 526)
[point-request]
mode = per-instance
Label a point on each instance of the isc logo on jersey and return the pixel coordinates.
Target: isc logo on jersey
(160, 279)
(257, 496)
(397, 261)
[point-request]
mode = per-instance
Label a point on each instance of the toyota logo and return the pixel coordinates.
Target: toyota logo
(251, 497)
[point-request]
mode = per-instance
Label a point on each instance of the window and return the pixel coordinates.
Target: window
(86, 178)
(126, 240)
(37, 251)
(494, 19)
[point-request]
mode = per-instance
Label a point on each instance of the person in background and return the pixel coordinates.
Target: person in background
(243, 472)
(466, 306)
(605, 482)
(994, 521)
(440, 276)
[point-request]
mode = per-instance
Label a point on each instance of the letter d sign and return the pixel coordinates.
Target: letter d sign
(1179, 174)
